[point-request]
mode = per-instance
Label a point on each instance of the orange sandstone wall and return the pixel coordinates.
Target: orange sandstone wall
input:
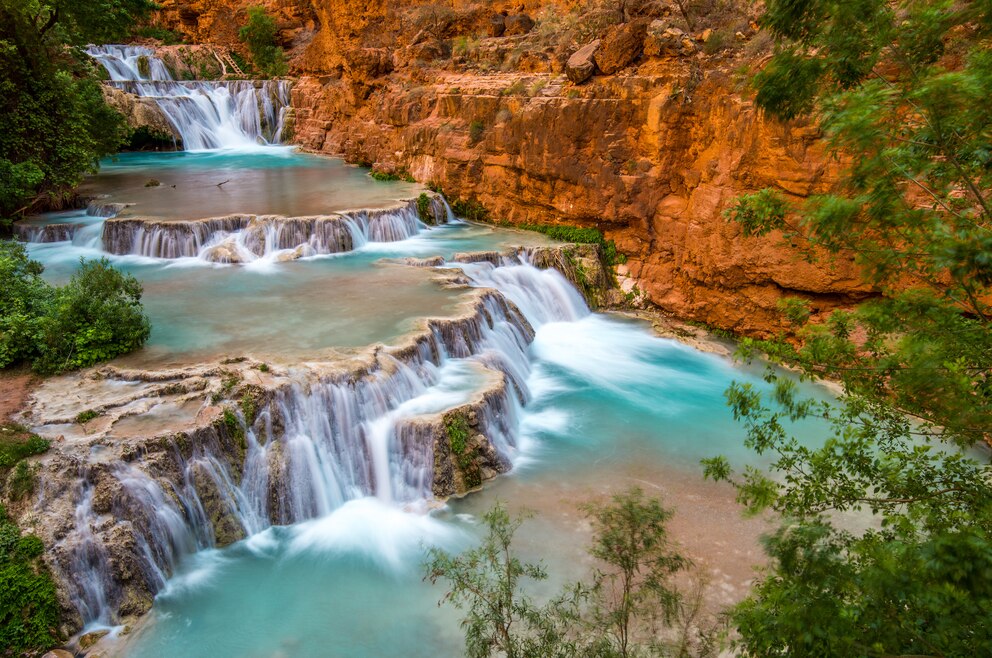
(652, 154)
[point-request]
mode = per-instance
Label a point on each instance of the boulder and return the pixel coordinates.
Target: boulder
(427, 51)
(622, 45)
(140, 112)
(582, 64)
(497, 25)
(88, 640)
(518, 24)
(663, 40)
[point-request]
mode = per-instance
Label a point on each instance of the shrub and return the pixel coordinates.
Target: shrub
(21, 481)
(424, 208)
(24, 301)
(166, 36)
(582, 236)
(29, 612)
(14, 446)
(475, 131)
(95, 317)
(259, 34)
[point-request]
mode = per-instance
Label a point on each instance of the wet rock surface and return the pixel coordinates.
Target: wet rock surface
(172, 461)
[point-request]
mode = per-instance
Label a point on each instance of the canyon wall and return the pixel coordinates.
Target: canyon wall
(476, 100)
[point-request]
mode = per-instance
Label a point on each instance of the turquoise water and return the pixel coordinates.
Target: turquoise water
(613, 406)
(283, 311)
(276, 180)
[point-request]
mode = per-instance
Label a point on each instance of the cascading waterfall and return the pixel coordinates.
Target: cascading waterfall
(320, 443)
(208, 115)
(247, 238)
(235, 238)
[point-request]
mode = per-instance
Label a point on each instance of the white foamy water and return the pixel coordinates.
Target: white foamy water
(241, 115)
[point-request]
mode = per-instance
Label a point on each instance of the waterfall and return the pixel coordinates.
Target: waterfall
(316, 443)
(240, 114)
(248, 238)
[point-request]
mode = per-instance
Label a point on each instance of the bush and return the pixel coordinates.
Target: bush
(581, 236)
(166, 36)
(609, 615)
(476, 130)
(14, 447)
(259, 34)
(95, 317)
(24, 301)
(29, 612)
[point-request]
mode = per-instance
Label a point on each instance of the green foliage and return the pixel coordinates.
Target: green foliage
(401, 174)
(913, 210)
(95, 317)
(234, 428)
(470, 209)
(21, 482)
(580, 236)
(84, 417)
(16, 444)
(476, 130)
(29, 611)
(424, 209)
(760, 213)
(259, 34)
(25, 299)
(166, 36)
(500, 619)
(631, 540)
(249, 404)
(56, 123)
(624, 598)
(457, 429)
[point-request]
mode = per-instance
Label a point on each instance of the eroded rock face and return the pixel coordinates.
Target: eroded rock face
(663, 40)
(518, 24)
(141, 113)
(653, 151)
(652, 160)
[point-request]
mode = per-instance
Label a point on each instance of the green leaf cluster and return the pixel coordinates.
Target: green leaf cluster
(29, 611)
(56, 124)
(901, 92)
(614, 614)
(259, 34)
(95, 317)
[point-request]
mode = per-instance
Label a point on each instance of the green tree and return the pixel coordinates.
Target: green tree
(95, 317)
(259, 34)
(56, 124)
(612, 615)
(500, 618)
(635, 588)
(901, 92)
(24, 301)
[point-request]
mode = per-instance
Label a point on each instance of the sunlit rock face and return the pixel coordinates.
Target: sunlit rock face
(653, 153)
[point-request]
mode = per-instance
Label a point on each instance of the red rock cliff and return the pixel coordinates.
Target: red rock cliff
(652, 154)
